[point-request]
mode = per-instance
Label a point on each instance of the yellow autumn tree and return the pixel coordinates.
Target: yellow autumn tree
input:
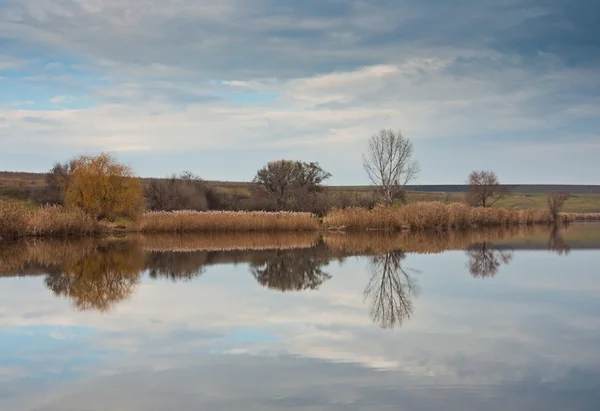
(103, 187)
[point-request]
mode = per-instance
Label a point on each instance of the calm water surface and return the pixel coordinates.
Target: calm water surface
(492, 320)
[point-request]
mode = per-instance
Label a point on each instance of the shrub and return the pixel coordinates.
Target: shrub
(104, 188)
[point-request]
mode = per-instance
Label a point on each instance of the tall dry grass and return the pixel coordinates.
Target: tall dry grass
(570, 217)
(17, 221)
(431, 216)
(13, 220)
(207, 221)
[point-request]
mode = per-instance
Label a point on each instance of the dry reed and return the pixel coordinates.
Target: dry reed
(17, 221)
(571, 217)
(207, 221)
(432, 216)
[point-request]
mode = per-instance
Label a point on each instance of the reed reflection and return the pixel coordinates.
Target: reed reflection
(390, 290)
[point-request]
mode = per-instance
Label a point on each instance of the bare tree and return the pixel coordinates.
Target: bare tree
(556, 201)
(390, 290)
(389, 164)
(57, 182)
(177, 192)
(485, 189)
(289, 183)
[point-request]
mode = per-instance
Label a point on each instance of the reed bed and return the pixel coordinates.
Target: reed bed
(190, 242)
(432, 216)
(21, 256)
(18, 221)
(423, 242)
(571, 217)
(224, 221)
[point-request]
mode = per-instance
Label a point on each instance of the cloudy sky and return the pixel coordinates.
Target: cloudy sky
(219, 88)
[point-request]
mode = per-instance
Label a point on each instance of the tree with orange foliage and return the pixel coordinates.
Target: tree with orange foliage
(103, 187)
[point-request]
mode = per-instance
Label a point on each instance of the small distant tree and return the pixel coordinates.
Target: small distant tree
(103, 187)
(177, 192)
(56, 181)
(556, 201)
(389, 164)
(289, 182)
(485, 189)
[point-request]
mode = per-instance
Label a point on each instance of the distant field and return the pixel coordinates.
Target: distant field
(585, 199)
(578, 203)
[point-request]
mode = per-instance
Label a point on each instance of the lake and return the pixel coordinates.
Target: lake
(480, 320)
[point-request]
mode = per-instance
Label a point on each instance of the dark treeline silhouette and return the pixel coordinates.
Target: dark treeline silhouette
(293, 270)
(282, 185)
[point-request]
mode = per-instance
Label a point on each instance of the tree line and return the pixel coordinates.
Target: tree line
(106, 189)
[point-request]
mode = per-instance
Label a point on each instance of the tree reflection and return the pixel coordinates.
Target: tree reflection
(485, 259)
(556, 241)
(176, 266)
(390, 290)
(101, 279)
(292, 270)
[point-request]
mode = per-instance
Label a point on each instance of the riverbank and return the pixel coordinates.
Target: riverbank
(19, 221)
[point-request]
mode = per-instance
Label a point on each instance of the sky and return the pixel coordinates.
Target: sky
(221, 88)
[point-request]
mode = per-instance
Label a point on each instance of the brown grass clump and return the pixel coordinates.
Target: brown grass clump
(360, 219)
(13, 219)
(56, 220)
(432, 215)
(18, 221)
(570, 217)
(207, 221)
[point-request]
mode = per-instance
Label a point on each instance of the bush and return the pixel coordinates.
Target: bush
(103, 188)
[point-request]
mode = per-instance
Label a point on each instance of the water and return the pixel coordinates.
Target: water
(494, 320)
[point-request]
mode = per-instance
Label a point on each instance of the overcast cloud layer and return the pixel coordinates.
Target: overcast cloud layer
(219, 88)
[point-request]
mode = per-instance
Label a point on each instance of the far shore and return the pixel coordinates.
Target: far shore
(19, 221)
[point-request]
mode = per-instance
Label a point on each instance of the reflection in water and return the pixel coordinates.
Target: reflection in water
(97, 273)
(390, 289)
(226, 342)
(100, 279)
(175, 266)
(556, 242)
(485, 259)
(292, 270)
